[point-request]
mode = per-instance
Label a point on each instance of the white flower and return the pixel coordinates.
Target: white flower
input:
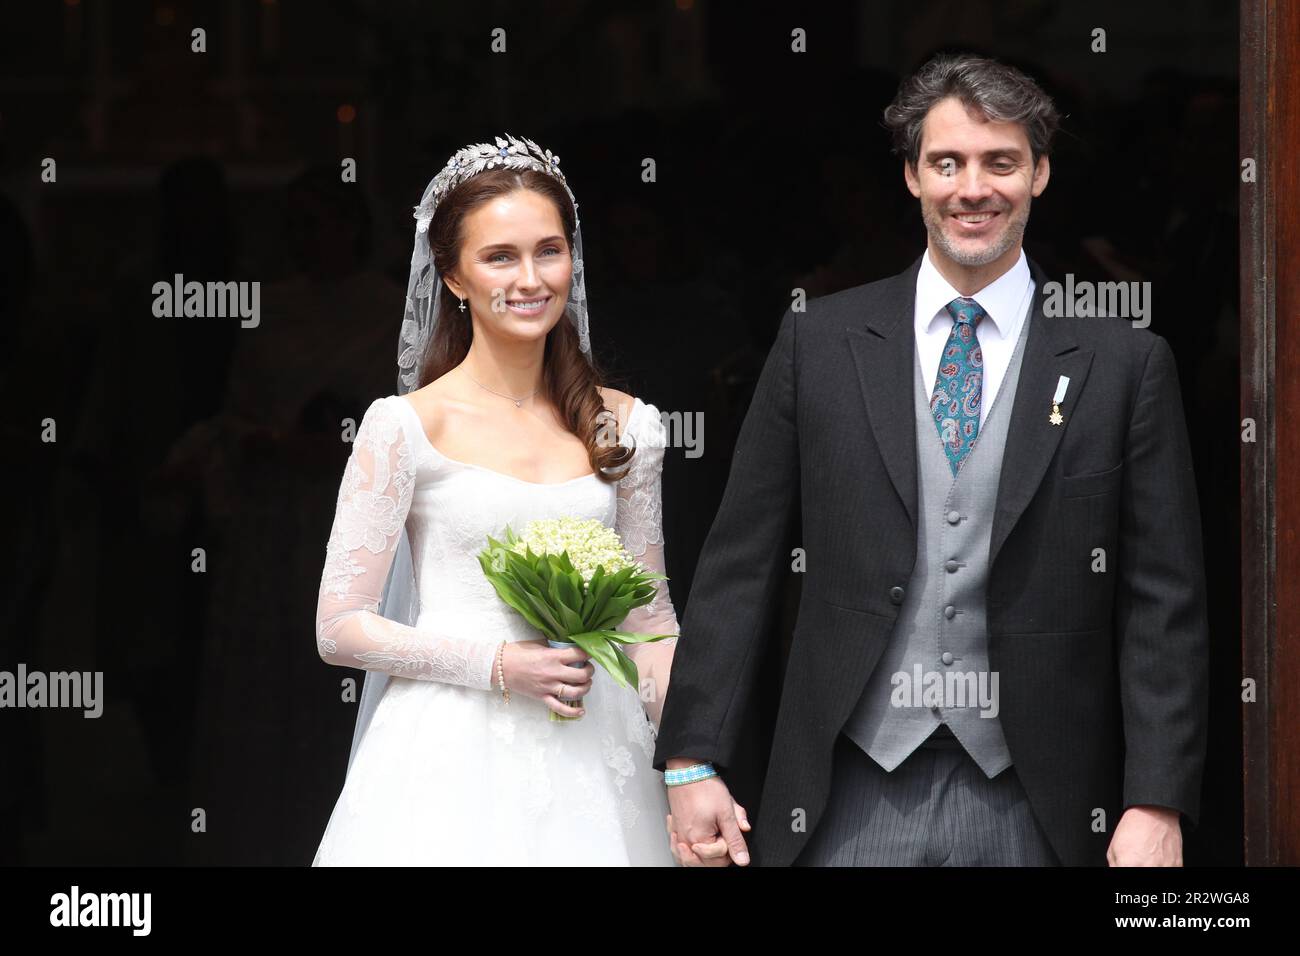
(588, 543)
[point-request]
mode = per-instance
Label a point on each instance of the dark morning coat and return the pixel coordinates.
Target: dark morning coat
(1103, 675)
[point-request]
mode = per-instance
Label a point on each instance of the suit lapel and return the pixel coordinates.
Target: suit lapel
(1050, 352)
(883, 350)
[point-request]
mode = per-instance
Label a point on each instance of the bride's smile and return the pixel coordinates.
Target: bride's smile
(530, 308)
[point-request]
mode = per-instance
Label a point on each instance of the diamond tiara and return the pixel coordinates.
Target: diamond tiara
(508, 153)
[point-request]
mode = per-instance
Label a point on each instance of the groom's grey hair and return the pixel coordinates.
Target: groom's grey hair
(1000, 92)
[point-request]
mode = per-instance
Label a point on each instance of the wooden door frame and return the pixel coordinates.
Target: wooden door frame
(1270, 509)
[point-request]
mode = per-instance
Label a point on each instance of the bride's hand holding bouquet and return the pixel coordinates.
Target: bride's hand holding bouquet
(571, 579)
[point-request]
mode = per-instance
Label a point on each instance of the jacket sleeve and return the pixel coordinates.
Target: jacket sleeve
(735, 590)
(1162, 634)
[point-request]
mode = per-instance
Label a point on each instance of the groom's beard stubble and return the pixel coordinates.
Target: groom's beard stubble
(1011, 234)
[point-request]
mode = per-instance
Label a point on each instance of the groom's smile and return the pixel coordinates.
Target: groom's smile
(975, 223)
(976, 230)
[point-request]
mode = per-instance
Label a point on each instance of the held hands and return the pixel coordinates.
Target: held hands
(704, 828)
(535, 670)
(1146, 836)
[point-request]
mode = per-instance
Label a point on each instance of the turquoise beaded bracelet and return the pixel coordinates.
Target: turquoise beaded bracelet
(696, 771)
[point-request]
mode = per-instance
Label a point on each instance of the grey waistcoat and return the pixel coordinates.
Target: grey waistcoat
(941, 632)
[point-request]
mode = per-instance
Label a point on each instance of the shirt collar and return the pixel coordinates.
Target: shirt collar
(1000, 299)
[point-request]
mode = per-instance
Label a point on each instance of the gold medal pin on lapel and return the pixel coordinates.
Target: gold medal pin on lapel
(1061, 385)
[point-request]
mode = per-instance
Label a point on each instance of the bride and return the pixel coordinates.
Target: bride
(499, 420)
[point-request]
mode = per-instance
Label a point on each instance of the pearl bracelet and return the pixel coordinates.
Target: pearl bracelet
(501, 671)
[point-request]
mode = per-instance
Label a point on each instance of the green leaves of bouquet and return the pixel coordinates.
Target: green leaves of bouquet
(571, 579)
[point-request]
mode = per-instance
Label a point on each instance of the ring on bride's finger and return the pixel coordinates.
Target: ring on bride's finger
(559, 694)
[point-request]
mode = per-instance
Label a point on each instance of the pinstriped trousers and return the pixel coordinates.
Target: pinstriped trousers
(937, 808)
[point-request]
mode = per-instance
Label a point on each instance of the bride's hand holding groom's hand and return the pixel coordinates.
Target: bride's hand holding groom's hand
(706, 824)
(535, 670)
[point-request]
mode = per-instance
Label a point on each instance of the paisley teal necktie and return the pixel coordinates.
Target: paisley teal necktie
(955, 401)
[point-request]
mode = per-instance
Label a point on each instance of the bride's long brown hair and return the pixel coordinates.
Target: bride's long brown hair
(570, 380)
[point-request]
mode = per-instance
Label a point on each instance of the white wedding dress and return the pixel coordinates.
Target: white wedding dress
(447, 772)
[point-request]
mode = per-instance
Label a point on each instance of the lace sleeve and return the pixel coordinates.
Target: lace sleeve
(639, 524)
(374, 499)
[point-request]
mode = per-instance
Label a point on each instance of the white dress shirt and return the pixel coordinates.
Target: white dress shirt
(1005, 302)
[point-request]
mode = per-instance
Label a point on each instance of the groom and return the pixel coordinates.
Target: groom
(1000, 654)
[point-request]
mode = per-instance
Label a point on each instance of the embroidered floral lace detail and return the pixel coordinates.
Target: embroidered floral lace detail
(640, 526)
(374, 499)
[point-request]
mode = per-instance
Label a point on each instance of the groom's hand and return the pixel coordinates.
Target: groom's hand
(704, 828)
(716, 850)
(1147, 836)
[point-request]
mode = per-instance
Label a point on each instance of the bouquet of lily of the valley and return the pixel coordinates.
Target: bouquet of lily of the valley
(572, 580)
